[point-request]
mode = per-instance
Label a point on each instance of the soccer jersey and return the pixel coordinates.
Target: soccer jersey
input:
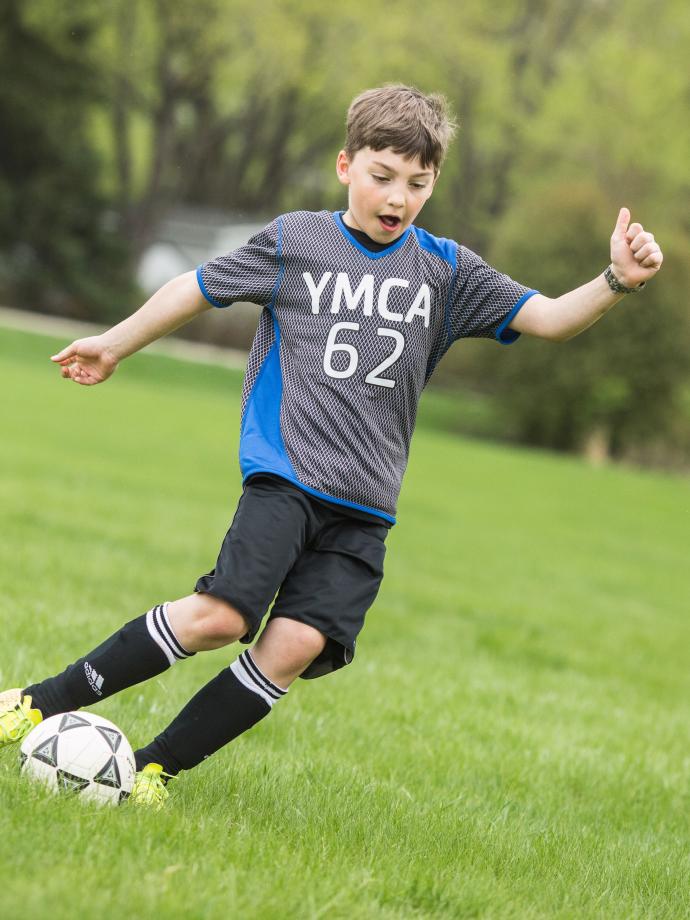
(346, 342)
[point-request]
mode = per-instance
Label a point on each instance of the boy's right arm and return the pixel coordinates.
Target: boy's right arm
(94, 359)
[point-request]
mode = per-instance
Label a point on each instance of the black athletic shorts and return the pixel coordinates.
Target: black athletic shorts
(325, 565)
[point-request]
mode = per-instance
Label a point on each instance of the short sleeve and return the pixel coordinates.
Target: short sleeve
(245, 274)
(484, 301)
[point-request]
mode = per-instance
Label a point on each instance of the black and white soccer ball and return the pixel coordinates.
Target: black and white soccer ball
(80, 753)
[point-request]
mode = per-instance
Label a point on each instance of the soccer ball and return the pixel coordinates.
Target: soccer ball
(80, 753)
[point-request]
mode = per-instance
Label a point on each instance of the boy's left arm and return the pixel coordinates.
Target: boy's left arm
(635, 258)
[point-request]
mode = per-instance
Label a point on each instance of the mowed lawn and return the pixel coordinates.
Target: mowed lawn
(512, 740)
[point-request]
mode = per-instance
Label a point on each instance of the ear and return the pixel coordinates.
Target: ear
(342, 168)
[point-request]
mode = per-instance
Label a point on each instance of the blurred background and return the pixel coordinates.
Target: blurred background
(140, 137)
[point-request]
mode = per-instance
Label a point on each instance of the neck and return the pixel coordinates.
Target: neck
(349, 220)
(364, 239)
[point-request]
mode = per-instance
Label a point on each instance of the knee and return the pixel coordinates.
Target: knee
(218, 621)
(286, 647)
(205, 622)
(308, 641)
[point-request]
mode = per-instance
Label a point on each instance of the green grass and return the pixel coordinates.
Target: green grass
(512, 740)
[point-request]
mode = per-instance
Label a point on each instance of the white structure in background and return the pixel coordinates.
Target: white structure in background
(186, 238)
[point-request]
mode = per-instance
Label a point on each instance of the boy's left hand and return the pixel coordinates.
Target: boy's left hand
(635, 254)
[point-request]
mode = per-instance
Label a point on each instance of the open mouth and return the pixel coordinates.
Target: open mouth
(389, 222)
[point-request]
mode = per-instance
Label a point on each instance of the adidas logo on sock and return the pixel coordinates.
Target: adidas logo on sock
(94, 678)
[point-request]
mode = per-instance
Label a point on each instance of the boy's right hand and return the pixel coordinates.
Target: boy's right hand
(86, 361)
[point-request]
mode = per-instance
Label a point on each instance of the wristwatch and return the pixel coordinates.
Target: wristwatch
(619, 288)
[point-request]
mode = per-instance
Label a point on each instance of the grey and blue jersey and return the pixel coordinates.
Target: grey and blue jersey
(346, 342)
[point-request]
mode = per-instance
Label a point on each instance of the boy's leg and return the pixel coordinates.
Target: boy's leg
(238, 698)
(286, 648)
(273, 523)
(326, 593)
(266, 536)
(141, 649)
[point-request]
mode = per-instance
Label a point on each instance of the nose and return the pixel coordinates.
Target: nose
(396, 197)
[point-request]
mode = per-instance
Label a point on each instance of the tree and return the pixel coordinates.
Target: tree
(621, 382)
(57, 253)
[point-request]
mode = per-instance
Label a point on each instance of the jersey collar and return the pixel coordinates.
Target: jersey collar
(342, 226)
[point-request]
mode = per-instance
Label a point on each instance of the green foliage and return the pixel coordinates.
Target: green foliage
(113, 113)
(617, 114)
(245, 104)
(623, 379)
(56, 252)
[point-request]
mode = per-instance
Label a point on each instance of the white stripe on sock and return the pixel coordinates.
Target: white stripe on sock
(260, 677)
(156, 636)
(159, 626)
(162, 633)
(175, 644)
(245, 677)
(252, 679)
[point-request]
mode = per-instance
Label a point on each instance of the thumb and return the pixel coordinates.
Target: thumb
(621, 227)
(65, 354)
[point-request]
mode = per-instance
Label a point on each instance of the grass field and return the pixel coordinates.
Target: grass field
(512, 740)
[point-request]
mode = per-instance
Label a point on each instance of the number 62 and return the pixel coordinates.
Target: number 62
(332, 347)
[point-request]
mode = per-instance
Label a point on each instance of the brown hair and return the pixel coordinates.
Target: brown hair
(403, 118)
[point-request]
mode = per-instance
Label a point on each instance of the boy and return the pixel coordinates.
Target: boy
(359, 307)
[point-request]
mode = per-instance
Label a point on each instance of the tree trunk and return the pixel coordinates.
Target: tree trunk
(596, 445)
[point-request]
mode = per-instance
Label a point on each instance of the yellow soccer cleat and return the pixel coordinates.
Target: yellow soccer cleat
(149, 787)
(17, 718)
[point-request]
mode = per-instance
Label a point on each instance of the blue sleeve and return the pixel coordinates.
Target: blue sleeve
(246, 274)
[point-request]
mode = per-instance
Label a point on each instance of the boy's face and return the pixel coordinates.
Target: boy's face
(386, 191)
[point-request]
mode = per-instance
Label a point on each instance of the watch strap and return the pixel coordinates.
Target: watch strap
(617, 287)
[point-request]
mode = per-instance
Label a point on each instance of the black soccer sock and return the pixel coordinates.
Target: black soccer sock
(141, 649)
(227, 706)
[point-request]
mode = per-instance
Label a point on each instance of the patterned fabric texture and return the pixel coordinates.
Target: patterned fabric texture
(345, 345)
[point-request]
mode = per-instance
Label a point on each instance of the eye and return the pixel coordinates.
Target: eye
(418, 185)
(380, 178)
